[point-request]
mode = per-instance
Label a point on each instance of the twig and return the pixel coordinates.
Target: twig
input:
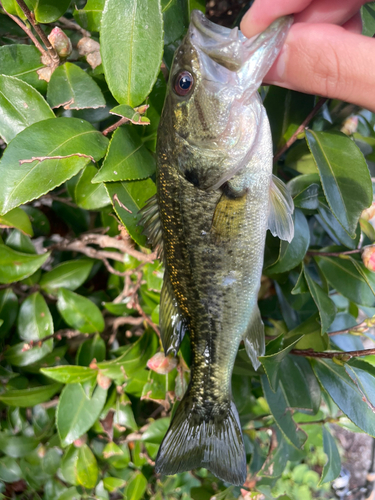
(344, 356)
(43, 158)
(113, 127)
(147, 319)
(358, 328)
(54, 57)
(116, 199)
(28, 32)
(59, 199)
(73, 26)
(68, 332)
(300, 129)
(317, 253)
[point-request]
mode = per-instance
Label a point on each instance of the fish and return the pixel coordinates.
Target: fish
(216, 197)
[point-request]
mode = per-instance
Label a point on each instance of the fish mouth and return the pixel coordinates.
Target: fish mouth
(230, 48)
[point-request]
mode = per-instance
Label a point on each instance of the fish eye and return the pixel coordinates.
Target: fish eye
(184, 83)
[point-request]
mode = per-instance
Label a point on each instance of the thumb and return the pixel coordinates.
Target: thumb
(327, 60)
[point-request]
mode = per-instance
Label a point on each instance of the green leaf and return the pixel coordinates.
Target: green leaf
(73, 88)
(22, 61)
(87, 467)
(291, 254)
(20, 242)
(345, 394)
(345, 278)
(91, 349)
(68, 374)
(334, 229)
(79, 312)
(131, 47)
(40, 223)
(47, 11)
(70, 494)
(176, 21)
(53, 137)
(21, 105)
(112, 484)
(19, 219)
(90, 16)
(34, 319)
(10, 471)
(282, 413)
(8, 310)
(325, 305)
(131, 114)
(76, 414)
(333, 465)
(16, 266)
(305, 190)
(124, 415)
(344, 174)
(69, 465)
(133, 359)
(136, 487)
(127, 158)
(368, 19)
(25, 398)
(156, 431)
(133, 195)
(90, 196)
(17, 446)
(71, 275)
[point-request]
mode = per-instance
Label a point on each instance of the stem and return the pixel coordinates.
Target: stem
(55, 60)
(113, 127)
(28, 32)
(333, 254)
(346, 330)
(300, 129)
(330, 355)
(73, 26)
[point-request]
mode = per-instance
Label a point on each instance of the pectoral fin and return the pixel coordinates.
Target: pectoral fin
(280, 221)
(229, 216)
(150, 220)
(254, 338)
(172, 323)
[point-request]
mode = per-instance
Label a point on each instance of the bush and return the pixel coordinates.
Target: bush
(81, 414)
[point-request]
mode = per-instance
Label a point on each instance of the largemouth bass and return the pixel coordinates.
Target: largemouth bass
(215, 199)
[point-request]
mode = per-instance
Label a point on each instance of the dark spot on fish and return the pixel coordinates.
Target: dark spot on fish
(191, 176)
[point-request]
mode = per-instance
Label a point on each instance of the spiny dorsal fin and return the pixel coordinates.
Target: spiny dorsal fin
(150, 220)
(280, 221)
(254, 338)
(172, 323)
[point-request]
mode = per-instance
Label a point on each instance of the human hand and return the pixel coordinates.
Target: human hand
(324, 52)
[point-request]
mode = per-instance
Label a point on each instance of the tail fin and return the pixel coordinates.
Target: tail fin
(197, 438)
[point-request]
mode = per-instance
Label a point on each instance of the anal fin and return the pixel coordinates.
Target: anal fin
(280, 221)
(150, 220)
(172, 323)
(254, 338)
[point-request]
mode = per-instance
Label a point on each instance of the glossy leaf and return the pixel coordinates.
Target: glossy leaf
(39, 221)
(15, 266)
(18, 219)
(90, 196)
(127, 158)
(325, 305)
(10, 471)
(91, 349)
(79, 312)
(345, 394)
(136, 487)
(90, 16)
(21, 106)
(76, 413)
(71, 87)
(68, 374)
(71, 275)
(333, 227)
(34, 319)
(22, 61)
(53, 137)
(87, 467)
(8, 310)
(176, 21)
(17, 446)
(344, 174)
(26, 398)
(344, 277)
(133, 195)
(131, 48)
(47, 11)
(333, 465)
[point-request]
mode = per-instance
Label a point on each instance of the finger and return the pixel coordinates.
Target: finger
(332, 11)
(327, 60)
(354, 25)
(263, 12)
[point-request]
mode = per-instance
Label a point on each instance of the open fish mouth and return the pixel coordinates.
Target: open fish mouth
(232, 50)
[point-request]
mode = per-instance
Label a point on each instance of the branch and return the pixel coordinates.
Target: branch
(332, 254)
(55, 60)
(113, 127)
(343, 356)
(73, 26)
(300, 129)
(28, 32)
(360, 328)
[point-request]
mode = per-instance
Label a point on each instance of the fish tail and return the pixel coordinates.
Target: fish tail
(198, 437)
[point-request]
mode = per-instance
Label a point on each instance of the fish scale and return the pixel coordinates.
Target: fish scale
(215, 200)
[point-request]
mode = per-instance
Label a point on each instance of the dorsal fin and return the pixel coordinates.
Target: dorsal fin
(280, 221)
(150, 220)
(172, 323)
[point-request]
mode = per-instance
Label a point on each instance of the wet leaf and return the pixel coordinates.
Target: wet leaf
(131, 47)
(71, 275)
(21, 106)
(344, 174)
(71, 87)
(79, 312)
(16, 266)
(127, 158)
(76, 414)
(53, 137)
